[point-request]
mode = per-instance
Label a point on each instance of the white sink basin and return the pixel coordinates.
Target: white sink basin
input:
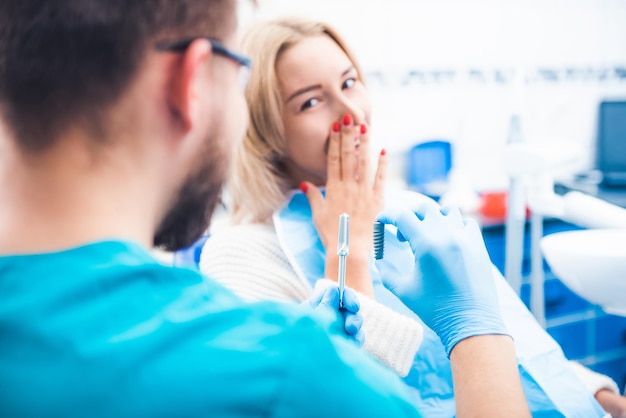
(592, 263)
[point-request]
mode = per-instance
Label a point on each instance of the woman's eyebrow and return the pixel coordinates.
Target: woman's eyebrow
(303, 90)
(345, 73)
(316, 86)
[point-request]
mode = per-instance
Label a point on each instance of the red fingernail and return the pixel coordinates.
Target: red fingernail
(304, 187)
(363, 129)
(383, 152)
(336, 127)
(347, 120)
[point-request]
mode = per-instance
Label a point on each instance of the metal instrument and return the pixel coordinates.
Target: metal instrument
(342, 252)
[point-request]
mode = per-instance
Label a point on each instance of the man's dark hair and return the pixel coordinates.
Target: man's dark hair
(64, 62)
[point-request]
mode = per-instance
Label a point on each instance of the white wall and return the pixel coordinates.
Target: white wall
(473, 63)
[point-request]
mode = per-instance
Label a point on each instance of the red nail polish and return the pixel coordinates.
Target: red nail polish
(304, 187)
(347, 120)
(383, 152)
(363, 129)
(336, 127)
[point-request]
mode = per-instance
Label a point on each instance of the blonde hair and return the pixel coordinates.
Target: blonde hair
(258, 182)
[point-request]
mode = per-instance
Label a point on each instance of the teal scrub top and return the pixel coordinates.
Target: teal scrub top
(105, 330)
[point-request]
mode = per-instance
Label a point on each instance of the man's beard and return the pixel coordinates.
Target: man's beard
(190, 214)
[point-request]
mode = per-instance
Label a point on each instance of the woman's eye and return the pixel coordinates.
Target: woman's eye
(309, 103)
(349, 83)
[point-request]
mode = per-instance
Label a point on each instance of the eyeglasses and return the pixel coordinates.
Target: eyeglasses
(244, 62)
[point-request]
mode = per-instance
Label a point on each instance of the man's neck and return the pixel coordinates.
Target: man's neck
(66, 198)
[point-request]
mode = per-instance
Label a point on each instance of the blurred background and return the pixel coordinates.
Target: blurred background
(457, 70)
(456, 83)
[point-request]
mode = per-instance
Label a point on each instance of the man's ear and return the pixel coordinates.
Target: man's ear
(187, 79)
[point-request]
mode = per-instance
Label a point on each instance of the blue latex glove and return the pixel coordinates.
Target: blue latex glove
(452, 287)
(326, 296)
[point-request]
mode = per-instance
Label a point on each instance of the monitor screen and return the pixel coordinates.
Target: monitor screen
(612, 138)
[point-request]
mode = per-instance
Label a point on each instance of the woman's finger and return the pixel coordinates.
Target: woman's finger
(363, 168)
(313, 195)
(334, 153)
(348, 137)
(381, 174)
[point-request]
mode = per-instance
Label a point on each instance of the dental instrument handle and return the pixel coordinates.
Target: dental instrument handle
(342, 252)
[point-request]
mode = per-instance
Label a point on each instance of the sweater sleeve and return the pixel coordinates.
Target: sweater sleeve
(248, 260)
(390, 336)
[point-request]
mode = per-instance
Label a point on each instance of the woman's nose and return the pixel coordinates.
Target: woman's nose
(350, 107)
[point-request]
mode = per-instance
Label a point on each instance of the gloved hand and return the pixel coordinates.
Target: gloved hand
(326, 296)
(452, 288)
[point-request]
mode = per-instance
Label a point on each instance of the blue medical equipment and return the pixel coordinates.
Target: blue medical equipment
(428, 167)
(611, 140)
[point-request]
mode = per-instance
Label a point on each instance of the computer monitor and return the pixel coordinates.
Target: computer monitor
(611, 143)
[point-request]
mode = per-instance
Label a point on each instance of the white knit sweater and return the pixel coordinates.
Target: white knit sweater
(249, 260)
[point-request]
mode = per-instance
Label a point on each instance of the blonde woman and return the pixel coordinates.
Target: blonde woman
(309, 130)
(264, 164)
